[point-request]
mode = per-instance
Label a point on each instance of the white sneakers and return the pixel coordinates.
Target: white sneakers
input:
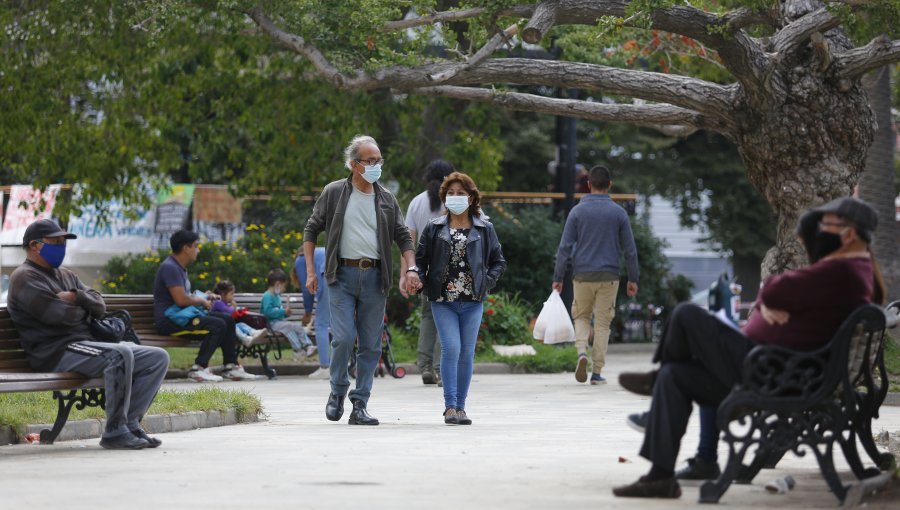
(201, 374)
(321, 373)
(232, 372)
(247, 340)
(237, 373)
(310, 350)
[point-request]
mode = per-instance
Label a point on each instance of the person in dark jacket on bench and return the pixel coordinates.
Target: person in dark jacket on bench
(52, 310)
(701, 356)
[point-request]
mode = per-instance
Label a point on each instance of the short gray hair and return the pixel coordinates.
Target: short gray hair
(351, 152)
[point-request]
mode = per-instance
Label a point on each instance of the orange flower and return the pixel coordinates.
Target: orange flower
(489, 311)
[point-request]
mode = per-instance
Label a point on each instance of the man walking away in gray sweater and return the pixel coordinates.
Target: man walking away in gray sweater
(597, 232)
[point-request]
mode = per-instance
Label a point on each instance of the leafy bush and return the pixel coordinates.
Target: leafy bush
(246, 263)
(505, 322)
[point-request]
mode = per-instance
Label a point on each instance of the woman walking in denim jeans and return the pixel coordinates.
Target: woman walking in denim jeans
(459, 260)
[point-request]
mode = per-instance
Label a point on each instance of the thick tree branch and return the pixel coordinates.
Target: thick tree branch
(746, 17)
(541, 21)
(741, 54)
(650, 115)
(486, 51)
(797, 32)
(517, 11)
(856, 62)
(297, 44)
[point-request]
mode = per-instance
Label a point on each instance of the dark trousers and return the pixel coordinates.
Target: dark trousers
(701, 360)
(216, 330)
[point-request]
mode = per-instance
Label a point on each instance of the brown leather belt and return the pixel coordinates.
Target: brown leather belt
(362, 263)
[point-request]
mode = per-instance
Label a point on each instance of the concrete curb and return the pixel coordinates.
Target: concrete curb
(155, 424)
(892, 399)
(308, 368)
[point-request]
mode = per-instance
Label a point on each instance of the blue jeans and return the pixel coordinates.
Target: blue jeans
(357, 310)
(323, 323)
(323, 314)
(457, 324)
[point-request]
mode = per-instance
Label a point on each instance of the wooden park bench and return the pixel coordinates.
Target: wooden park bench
(69, 388)
(788, 400)
(140, 306)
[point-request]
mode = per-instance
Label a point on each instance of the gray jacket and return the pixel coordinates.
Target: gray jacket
(483, 253)
(328, 215)
(46, 323)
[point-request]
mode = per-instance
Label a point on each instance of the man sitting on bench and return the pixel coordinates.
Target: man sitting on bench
(172, 287)
(52, 310)
(701, 356)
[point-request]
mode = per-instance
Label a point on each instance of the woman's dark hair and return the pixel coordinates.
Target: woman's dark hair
(224, 287)
(276, 276)
(434, 177)
(469, 185)
(181, 239)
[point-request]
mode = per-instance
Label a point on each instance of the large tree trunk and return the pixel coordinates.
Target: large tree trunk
(803, 139)
(876, 185)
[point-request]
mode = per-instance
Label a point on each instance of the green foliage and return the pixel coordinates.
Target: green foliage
(245, 264)
(529, 238)
(505, 322)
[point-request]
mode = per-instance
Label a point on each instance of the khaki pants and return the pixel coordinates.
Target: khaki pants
(599, 299)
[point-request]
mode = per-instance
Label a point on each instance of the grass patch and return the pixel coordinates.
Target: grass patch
(183, 357)
(21, 409)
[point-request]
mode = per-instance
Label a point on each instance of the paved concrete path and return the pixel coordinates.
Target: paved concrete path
(538, 442)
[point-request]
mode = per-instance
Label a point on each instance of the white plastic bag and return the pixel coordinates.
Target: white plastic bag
(553, 325)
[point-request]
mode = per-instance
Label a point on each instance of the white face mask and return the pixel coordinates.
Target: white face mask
(372, 173)
(457, 204)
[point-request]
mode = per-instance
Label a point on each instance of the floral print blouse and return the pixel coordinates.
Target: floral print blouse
(458, 282)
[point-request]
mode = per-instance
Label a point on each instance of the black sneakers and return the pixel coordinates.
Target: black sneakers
(638, 421)
(699, 469)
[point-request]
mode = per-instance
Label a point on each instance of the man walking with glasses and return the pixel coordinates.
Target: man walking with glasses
(360, 219)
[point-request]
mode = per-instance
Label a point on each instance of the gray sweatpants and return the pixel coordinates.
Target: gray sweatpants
(132, 374)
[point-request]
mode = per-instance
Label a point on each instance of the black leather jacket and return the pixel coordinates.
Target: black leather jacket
(482, 252)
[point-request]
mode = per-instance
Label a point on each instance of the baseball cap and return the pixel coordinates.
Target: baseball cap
(45, 228)
(854, 210)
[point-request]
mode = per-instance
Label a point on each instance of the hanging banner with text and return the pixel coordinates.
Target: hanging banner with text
(117, 234)
(26, 205)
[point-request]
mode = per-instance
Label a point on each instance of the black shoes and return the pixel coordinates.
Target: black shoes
(461, 417)
(359, 416)
(334, 409)
(640, 383)
(125, 441)
(152, 442)
(428, 376)
(643, 488)
(699, 469)
(450, 416)
(638, 421)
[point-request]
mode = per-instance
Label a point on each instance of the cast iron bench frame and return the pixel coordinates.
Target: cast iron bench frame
(788, 400)
(69, 388)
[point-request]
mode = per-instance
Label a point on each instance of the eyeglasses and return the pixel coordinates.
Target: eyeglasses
(370, 162)
(823, 224)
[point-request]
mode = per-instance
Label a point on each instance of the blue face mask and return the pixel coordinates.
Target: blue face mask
(372, 173)
(457, 204)
(53, 254)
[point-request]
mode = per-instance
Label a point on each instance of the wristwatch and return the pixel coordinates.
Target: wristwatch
(412, 268)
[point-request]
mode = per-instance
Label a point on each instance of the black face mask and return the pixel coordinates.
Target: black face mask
(824, 243)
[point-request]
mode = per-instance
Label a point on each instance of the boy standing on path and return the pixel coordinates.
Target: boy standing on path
(597, 232)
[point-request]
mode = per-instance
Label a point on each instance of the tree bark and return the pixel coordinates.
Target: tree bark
(876, 185)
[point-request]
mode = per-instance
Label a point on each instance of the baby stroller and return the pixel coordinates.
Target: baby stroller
(386, 363)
